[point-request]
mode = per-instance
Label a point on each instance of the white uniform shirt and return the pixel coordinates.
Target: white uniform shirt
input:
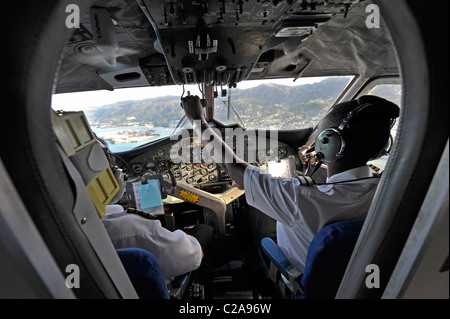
(301, 211)
(177, 252)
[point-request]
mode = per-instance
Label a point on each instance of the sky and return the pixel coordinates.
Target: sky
(84, 100)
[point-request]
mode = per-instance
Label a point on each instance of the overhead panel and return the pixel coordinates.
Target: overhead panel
(203, 41)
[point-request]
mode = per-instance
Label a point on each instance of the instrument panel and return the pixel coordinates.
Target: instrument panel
(190, 163)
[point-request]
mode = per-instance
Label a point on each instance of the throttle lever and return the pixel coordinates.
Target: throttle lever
(173, 181)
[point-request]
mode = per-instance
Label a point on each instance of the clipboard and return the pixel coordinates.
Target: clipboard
(146, 193)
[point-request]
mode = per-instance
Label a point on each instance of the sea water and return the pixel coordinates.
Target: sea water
(122, 147)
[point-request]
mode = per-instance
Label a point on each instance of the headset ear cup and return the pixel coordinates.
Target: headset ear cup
(329, 146)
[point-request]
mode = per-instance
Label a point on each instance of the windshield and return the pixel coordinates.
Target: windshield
(280, 104)
(130, 117)
(127, 118)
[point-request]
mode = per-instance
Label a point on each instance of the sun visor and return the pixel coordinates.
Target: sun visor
(78, 141)
(346, 45)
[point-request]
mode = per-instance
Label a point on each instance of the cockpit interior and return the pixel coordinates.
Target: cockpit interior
(329, 51)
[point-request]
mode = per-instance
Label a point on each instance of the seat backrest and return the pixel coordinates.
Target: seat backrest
(144, 272)
(328, 256)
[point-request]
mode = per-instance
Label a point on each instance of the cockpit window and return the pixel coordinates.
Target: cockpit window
(279, 104)
(127, 118)
(393, 93)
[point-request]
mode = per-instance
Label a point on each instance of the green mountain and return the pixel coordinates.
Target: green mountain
(280, 106)
(161, 111)
(267, 105)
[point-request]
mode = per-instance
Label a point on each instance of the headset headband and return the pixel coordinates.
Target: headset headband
(351, 114)
(330, 143)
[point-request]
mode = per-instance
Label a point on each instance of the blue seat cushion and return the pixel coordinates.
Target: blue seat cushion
(144, 272)
(328, 256)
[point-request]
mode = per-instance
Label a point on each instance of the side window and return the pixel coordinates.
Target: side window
(393, 93)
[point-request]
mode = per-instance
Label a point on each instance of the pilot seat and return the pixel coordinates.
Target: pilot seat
(83, 153)
(326, 262)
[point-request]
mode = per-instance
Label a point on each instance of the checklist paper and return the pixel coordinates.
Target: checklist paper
(148, 197)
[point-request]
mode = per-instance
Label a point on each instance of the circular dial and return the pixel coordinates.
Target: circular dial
(177, 175)
(150, 165)
(161, 166)
(136, 168)
(282, 151)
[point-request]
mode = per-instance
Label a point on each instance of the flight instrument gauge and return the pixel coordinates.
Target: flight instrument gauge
(150, 165)
(282, 151)
(136, 168)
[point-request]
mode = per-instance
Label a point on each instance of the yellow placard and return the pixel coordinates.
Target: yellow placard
(102, 189)
(191, 197)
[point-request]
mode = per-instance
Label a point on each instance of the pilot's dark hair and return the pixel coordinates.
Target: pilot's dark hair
(368, 131)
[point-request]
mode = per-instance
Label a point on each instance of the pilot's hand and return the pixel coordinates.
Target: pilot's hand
(301, 155)
(193, 107)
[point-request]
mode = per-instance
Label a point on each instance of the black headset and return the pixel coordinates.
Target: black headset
(330, 143)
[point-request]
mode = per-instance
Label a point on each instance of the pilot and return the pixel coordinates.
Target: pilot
(300, 211)
(178, 252)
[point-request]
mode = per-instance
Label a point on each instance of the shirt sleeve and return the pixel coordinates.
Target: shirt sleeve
(274, 196)
(290, 203)
(177, 252)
